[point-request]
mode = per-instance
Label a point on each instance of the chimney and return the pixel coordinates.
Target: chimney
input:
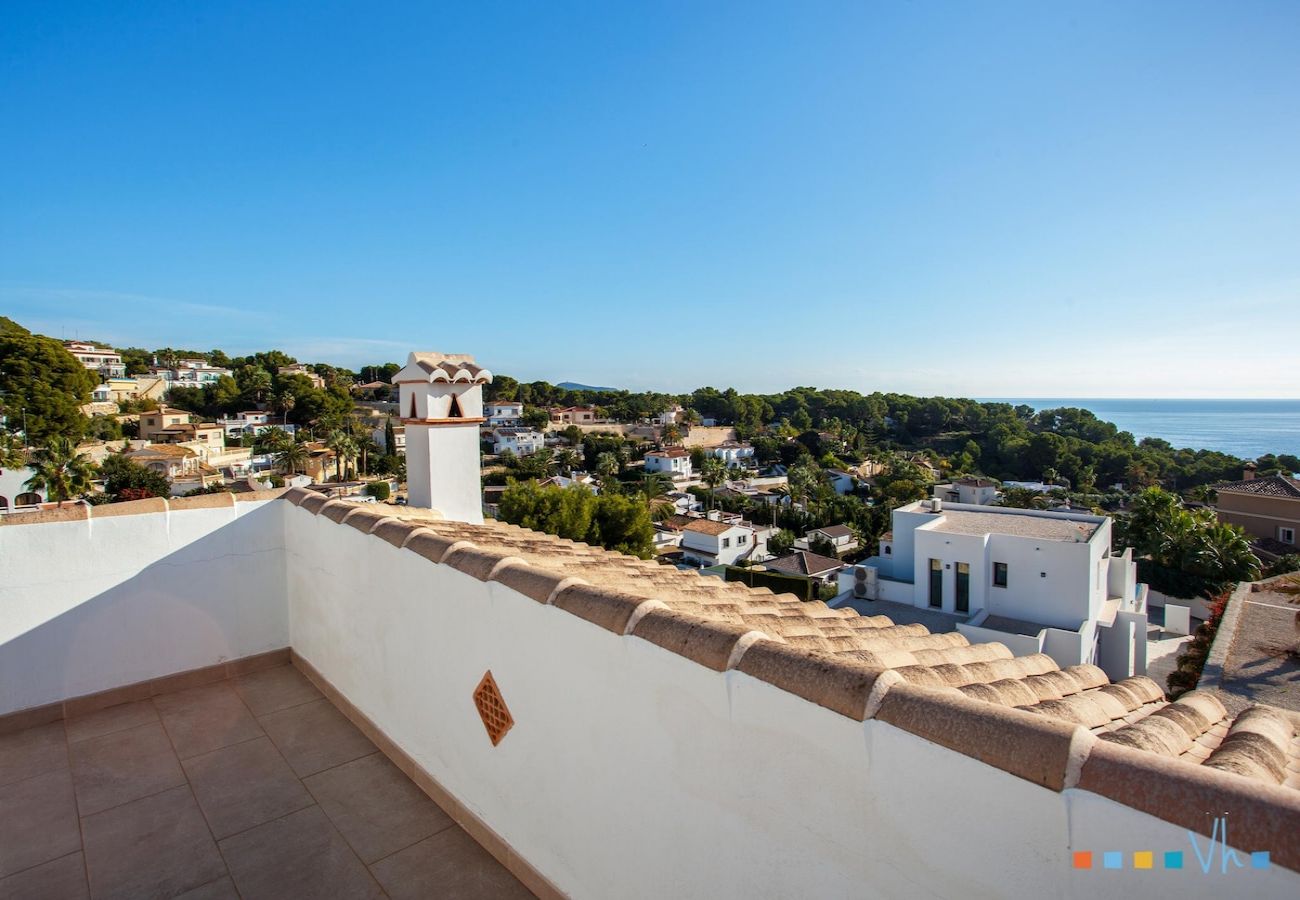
(440, 398)
(1248, 472)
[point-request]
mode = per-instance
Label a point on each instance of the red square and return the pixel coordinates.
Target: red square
(1083, 859)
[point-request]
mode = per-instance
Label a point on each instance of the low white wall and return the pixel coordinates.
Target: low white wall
(1018, 644)
(95, 604)
(634, 772)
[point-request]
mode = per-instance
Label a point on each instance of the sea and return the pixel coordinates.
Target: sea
(1244, 428)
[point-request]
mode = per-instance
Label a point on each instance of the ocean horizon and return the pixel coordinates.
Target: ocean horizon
(1244, 428)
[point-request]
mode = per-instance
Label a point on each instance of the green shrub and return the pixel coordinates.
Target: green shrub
(379, 490)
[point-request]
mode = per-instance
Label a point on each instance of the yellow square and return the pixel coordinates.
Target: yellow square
(1143, 859)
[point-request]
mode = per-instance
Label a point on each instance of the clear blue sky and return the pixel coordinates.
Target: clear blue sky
(979, 199)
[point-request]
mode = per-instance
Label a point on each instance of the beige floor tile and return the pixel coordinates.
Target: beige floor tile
(159, 846)
(315, 736)
(33, 751)
(116, 768)
(115, 718)
(38, 821)
(377, 808)
(244, 785)
(59, 879)
(301, 856)
(206, 718)
(449, 864)
(272, 689)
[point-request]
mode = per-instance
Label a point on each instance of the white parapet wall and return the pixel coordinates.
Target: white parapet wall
(631, 771)
(137, 592)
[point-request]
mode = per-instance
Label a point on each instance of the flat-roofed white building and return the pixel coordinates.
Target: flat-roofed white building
(1037, 581)
(674, 461)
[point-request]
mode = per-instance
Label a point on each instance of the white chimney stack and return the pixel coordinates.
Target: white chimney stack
(440, 398)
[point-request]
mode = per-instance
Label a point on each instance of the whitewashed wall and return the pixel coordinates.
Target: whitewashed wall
(94, 604)
(633, 772)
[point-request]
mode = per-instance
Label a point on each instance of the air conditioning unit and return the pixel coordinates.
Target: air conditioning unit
(936, 505)
(865, 583)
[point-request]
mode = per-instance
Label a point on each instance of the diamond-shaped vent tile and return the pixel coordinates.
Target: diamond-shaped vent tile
(492, 708)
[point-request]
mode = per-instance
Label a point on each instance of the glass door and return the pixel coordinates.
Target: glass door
(963, 587)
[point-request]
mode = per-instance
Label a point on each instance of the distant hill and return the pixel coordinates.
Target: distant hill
(574, 386)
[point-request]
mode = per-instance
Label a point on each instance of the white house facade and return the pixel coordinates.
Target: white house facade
(673, 461)
(519, 441)
(971, 491)
(1037, 581)
(733, 453)
(503, 413)
(706, 542)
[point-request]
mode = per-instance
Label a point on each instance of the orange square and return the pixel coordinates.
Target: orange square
(1143, 859)
(1083, 859)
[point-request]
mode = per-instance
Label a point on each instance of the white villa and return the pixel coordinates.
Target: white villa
(841, 537)
(108, 363)
(501, 413)
(673, 460)
(252, 422)
(971, 491)
(708, 542)
(1038, 582)
(733, 453)
(519, 441)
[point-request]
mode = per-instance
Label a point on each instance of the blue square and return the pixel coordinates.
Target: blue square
(1173, 859)
(1112, 859)
(1259, 859)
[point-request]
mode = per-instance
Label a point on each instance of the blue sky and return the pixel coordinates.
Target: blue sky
(978, 199)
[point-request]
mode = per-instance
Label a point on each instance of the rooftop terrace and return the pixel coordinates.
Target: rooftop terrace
(1022, 523)
(653, 710)
(230, 783)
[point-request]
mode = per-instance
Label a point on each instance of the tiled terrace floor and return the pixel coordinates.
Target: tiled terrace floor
(252, 787)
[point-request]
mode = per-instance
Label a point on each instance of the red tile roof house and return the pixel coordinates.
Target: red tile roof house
(592, 720)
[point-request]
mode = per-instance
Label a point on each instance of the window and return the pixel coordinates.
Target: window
(936, 583)
(1286, 535)
(999, 574)
(726, 542)
(743, 539)
(889, 550)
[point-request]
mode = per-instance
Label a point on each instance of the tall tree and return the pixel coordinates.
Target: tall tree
(60, 471)
(42, 385)
(292, 459)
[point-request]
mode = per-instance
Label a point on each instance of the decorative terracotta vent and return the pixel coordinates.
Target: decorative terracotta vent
(492, 708)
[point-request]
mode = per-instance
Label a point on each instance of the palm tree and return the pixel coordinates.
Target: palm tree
(285, 401)
(1022, 498)
(568, 460)
(802, 480)
(671, 434)
(606, 467)
(655, 485)
(273, 439)
(345, 449)
(60, 471)
(292, 459)
(713, 473)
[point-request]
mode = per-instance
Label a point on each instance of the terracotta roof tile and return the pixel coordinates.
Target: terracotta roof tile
(1023, 714)
(1268, 486)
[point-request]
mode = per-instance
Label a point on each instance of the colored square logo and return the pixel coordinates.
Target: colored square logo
(1259, 859)
(1112, 859)
(1143, 859)
(1083, 859)
(1173, 859)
